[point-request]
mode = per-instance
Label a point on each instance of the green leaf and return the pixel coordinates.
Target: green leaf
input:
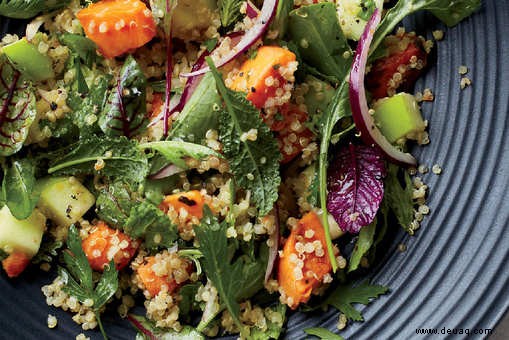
(338, 109)
(114, 203)
(233, 281)
(344, 296)
(200, 113)
(323, 333)
(18, 188)
(72, 287)
(143, 326)
(399, 198)
(175, 152)
(280, 22)
(107, 285)
(230, 11)
(81, 46)
(187, 302)
(24, 9)
(255, 164)
(315, 30)
(122, 159)
(449, 11)
(76, 260)
(17, 108)
(126, 108)
(148, 222)
(362, 245)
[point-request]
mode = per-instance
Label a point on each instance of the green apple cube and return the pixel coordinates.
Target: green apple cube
(64, 200)
(27, 59)
(21, 235)
(399, 117)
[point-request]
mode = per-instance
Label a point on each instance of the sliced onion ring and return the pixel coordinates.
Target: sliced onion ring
(251, 10)
(33, 27)
(167, 171)
(252, 35)
(364, 121)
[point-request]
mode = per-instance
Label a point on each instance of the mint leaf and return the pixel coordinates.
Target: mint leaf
(17, 108)
(344, 296)
(234, 281)
(18, 188)
(362, 245)
(114, 203)
(400, 199)
(255, 164)
(148, 222)
(126, 108)
(323, 333)
(122, 159)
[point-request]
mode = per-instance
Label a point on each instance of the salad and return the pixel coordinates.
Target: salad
(221, 163)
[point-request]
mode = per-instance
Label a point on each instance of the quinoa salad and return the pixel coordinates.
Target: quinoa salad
(215, 165)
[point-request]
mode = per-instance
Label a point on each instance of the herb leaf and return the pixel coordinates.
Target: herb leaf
(114, 203)
(146, 221)
(255, 164)
(125, 162)
(17, 108)
(18, 188)
(77, 262)
(230, 11)
(323, 333)
(344, 296)
(175, 151)
(147, 330)
(362, 245)
(400, 199)
(125, 110)
(23, 9)
(233, 281)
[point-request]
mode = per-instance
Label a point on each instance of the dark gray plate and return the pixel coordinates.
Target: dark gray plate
(455, 271)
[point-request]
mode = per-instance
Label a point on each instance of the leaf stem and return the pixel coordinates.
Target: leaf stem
(98, 318)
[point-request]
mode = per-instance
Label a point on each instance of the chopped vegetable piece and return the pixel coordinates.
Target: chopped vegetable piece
(23, 236)
(27, 59)
(15, 263)
(400, 68)
(304, 263)
(192, 202)
(261, 76)
(104, 244)
(154, 283)
(399, 117)
(117, 26)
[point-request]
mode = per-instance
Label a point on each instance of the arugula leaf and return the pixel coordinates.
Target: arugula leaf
(338, 109)
(233, 281)
(114, 203)
(25, 9)
(148, 222)
(362, 245)
(315, 30)
(78, 281)
(399, 199)
(344, 296)
(175, 152)
(451, 12)
(323, 333)
(126, 108)
(255, 164)
(199, 114)
(17, 108)
(147, 330)
(18, 188)
(122, 159)
(229, 11)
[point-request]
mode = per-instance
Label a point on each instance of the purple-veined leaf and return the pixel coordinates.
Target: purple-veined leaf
(17, 109)
(355, 185)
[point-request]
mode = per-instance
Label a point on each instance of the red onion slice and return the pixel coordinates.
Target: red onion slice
(252, 35)
(139, 326)
(369, 132)
(251, 10)
(274, 247)
(167, 171)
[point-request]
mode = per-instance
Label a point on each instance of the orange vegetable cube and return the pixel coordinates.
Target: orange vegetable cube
(261, 76)
(153, 283)
(191, 201)
(15, 263)
(118, 26)
(304, 263)
(104, 244)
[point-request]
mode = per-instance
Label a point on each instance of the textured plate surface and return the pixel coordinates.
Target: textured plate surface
(454, 273)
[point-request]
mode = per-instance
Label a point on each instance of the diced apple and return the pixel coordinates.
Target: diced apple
(22, 236)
